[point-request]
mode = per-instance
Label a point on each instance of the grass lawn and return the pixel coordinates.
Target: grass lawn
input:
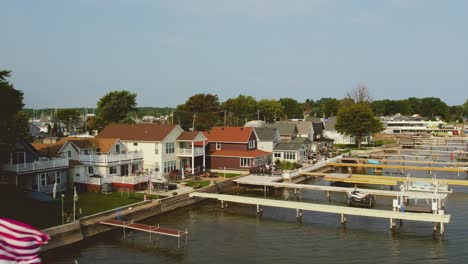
(199, 184)
(17, 205)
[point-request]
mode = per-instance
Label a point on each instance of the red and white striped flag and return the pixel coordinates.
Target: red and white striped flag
(19, 242)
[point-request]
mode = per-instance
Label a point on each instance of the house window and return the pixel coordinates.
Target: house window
(251, 144)
(245, 162)
(90, 170)
(69, 154)
(50, 178)
(135, 144)
(277, 154)
(156, 151)
(169, 147)
(113, 170)
(290, 155)
(169, 166)
(58, 179)
(156, 166)
(218, 145)
(117, 148)
(43, 179)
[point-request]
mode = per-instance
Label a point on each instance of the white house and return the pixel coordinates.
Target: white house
(165, 147)
(267, 138)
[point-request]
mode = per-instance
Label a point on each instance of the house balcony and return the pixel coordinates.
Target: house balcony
(187, 152)
(39, 165)
(104, 159)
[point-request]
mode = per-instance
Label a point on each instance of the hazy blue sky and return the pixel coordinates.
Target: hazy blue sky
(70, 53)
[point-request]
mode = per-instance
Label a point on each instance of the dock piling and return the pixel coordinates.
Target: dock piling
(343, 219)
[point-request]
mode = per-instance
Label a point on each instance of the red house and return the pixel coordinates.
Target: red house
(234, 148)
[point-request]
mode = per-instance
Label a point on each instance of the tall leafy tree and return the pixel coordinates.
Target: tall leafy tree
(270, 110)
(240, 109)
(13, 123)
(432, 107)
(116, 107)
(199, 112)
(292, 108)
(358, 120)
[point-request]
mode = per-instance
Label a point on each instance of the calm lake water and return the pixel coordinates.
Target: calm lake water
(236, 235)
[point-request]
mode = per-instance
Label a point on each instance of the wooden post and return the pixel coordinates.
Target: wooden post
(222, 204)
(186, 235)
(328, 195)
(442, 229)
(343, 219)
(264, 191)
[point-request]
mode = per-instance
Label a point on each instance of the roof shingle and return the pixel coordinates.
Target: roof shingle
(138, 132)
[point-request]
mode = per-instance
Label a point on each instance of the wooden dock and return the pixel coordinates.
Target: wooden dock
(147, 228)
(380, 180)
(341, 210)
(455, 164)
(396, 167)
(416, 195)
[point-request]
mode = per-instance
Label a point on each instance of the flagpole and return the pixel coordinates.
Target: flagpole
(63, 219)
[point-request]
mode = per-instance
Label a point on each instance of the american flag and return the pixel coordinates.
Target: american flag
(20, 243)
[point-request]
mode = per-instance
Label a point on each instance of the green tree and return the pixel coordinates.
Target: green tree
(116, 107)
(200, 112)
(358, 120)
(13, 123)
(70, 117)
(240, 109)
(292, 108)
(465, 108)
(270, 110)
(432, 107)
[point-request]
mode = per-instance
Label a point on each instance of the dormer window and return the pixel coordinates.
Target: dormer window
(117, 148)
(218, 145)
(251, 144)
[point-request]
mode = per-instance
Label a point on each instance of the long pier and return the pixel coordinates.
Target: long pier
(456, 164)
(147, 228)
(416, 195)
(341, 210)
(396, 167)
(380, 180)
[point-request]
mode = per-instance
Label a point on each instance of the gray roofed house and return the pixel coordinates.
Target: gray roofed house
(267, 138)
(293, 150)
(304, 128)
(330, 123)
(318, 130)
(286, 130)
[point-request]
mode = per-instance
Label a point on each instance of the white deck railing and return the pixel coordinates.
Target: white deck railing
(37, 165)
(110, 158)
(188, 151)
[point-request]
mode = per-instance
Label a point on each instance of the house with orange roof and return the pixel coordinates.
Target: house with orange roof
(166, 148)
(234, 149)
(95, 162)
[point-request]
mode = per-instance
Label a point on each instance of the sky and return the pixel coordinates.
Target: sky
(71, 53)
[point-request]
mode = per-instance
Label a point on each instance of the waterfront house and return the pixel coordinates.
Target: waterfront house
(29, 169)
(293, 150)
(166, 148)
(234, 149)
(95, 162)
(304, 128)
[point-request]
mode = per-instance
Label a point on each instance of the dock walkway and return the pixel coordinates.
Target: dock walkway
(146, 228)
(342, 210)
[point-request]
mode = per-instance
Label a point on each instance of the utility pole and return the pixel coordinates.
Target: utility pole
(258, 114)
(193, 123)
(224, 117)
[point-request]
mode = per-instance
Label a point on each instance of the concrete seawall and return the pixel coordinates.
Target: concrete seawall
(88, 226)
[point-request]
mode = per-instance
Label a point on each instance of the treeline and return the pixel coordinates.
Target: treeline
(202, 111)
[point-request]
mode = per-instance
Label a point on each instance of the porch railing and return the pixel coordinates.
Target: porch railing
(188, 151)
(37, 165)
(110, 158)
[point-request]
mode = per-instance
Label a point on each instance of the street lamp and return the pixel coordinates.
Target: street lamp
(63, 195)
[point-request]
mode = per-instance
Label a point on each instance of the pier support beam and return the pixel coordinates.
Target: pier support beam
(259, 210)
(299, 215)
(329, 195)
(442, 229)
(222, 204)
(343, 219)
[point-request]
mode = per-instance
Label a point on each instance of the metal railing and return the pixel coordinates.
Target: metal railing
(109, 158)
(37, 165)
